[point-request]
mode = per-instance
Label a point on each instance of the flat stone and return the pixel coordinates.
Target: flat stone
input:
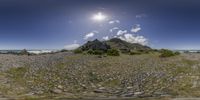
(128, 95)
(138, 93)
(57, 91)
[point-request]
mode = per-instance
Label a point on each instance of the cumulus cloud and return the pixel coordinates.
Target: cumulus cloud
(136, 28)
(105, 38)
(90, 35)
(114, 21)
(132, 38)
(113, 29)
(72, 46)
(121, 32)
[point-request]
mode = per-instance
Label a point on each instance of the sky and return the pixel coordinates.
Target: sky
(58, 24)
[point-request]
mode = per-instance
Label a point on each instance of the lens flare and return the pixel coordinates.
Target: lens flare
(99, 17)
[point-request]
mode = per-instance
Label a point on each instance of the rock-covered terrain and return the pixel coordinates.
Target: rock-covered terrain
(68, 75)
(109, 75)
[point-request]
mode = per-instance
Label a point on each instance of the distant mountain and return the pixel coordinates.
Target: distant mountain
(114, 43)
(117, 43)
(95, 45)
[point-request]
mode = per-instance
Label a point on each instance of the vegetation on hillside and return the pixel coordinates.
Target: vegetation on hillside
(112, 47)
(113, 52)
(168, 53)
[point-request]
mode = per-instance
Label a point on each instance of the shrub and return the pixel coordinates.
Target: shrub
(135, 53)
(95, 52)
(98, 52)
(24, 52)
(126, 51)
(143, 51)
(63, 50)
(113, 52)
(90, 51)
(177, 53)
(166, 53)
(77, 51)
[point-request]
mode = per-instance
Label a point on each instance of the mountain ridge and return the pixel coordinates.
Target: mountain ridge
(114, 43)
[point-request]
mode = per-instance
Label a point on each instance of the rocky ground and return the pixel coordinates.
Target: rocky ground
(67, 75)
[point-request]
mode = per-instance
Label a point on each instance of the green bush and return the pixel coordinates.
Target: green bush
(63, 50)
(90, 52)
(135, 53)
(166, 53)
(113, 52)
(177, 53)
(77, 51)
(98, 52)
(95, 52)
(24, 52)
(144, 51)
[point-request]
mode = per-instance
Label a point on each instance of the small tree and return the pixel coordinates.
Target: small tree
(166, 53)
(63, 50)
(135, 53)
(177, 53)
(90, 52)
(113, 52)
(77, 51)
(24, 52)
(98, 52)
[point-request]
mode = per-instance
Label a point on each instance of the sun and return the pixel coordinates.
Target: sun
(99, 17)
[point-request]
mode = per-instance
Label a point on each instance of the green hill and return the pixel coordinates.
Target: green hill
(125, 46)
(113, 43)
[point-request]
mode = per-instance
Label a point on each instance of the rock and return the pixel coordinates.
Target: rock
(69, 94)
(28, 94)
(60, 87)
(38, 92)
(92, 85)
(130, 87)
(130, 94)
(158, 94)
(138, 93)
(57, 91)
(100, 90)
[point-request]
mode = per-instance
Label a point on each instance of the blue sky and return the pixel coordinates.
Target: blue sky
(57, 24)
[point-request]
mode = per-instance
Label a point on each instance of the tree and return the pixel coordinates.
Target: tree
(113, 52)
(24, 52)
(77, 51)
(166, 53)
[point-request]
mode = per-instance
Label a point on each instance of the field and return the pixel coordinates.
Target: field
(68, 75)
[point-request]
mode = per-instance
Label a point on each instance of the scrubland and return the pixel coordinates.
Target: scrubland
(68, 75)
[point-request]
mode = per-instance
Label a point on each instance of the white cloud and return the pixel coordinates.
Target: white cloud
(114, 21)
(114, 28)
(90, 35)
(121, 32)
(106, 38)
(141, 16)
(71, 46)
(131, 38)
(136, 28)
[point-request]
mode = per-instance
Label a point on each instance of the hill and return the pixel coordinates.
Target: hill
(95, 45)
(113, 43)
(125, 46)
